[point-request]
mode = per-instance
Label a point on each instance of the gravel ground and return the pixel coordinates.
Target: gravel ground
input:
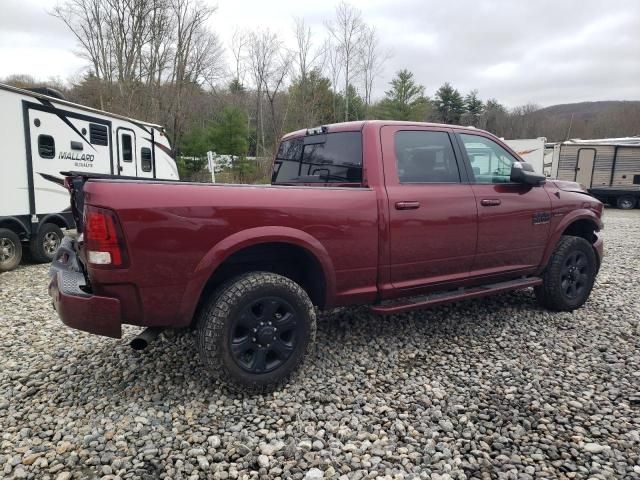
(495, 388)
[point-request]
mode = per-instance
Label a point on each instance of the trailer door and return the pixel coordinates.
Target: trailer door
(127, 161)
(584, 168)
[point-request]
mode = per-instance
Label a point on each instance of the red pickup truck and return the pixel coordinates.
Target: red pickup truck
(394, 215)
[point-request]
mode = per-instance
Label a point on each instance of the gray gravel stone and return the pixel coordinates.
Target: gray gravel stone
(263, 461)
(314, 474)
(493, 388)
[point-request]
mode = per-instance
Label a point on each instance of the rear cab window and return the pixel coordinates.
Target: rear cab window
(325, 158)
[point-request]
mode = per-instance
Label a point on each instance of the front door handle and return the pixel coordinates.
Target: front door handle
(407, 205)
(490, 202)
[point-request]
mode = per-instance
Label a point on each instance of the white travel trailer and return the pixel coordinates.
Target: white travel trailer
(532, 150)
(41, 135)
(608, 167)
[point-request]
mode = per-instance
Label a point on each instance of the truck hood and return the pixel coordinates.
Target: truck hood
(567, 186)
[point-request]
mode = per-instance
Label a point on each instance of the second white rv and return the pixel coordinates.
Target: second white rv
(41, 135)
(608, 167)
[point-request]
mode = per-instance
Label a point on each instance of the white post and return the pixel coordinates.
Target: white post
(212, 165)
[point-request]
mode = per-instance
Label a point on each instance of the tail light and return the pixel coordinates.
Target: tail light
(103, 239)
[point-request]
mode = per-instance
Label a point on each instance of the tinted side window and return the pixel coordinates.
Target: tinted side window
(489, 161)
(98, 134)
(127, 149)
(425, 157)
(46, 146)
(145, 159)
(327, 158)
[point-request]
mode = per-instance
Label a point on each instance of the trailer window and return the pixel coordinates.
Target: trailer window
(327, 158)
(46, 146)
(145, 159)
(127, 149)
(98, 134)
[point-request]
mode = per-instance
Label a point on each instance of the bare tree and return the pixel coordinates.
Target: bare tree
(346, 30)
(335, 70)
(273, 83)
(239, 43)
(150, 45)
(269, 69)
(371, 61)
(306, 58)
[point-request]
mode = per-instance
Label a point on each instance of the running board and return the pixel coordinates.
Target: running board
(413, 303)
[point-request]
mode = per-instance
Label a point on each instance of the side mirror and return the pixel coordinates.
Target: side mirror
(522, 172)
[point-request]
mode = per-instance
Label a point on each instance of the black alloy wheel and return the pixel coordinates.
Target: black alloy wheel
(264, 334)
(574, 275)
(569, 276)
(255, 331)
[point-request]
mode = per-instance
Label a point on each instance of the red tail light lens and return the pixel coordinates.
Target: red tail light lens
(103, 238)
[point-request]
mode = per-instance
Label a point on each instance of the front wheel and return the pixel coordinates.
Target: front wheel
(256, 331)
(569, 276)
(44, 244)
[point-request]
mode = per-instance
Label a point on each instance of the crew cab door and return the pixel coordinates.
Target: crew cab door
(513, 218)
(432, 210)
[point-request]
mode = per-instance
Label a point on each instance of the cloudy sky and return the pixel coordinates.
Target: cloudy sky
(518, 51)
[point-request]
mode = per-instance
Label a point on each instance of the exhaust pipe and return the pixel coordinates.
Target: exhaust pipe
(141, 341)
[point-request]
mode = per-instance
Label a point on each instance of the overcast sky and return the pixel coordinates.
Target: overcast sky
(518, 51)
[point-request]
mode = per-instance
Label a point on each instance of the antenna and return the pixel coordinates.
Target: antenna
(569, 131)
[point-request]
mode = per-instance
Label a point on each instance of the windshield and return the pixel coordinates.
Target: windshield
(326, 158)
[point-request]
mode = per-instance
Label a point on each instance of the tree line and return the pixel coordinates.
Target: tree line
(160, 61)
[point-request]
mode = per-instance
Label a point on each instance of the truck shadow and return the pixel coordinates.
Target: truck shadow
(350, 343)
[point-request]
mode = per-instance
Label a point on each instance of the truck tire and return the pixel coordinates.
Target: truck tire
(43, 245)
(256, 330)
(626, 202)
(569, 276)
(10, 250)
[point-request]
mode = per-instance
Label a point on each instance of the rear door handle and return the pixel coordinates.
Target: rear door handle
(407, 205)
(490, 202)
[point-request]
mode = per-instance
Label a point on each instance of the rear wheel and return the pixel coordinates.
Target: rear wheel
(10, 250)
(569, 276)
(44, 244)
(256, 331)
(626, 202)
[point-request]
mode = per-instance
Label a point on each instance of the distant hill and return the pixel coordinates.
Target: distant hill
(590, 120)
(588, 109)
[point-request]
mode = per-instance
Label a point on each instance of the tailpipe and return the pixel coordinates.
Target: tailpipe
(141, 341)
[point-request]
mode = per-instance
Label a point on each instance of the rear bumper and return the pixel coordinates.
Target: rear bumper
(75, 306)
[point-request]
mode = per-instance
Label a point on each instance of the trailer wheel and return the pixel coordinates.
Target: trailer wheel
(626, 202)
(10, 250)
(256, 330)
(44, 244)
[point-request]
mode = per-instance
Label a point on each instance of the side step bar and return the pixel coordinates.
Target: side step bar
(414, 303)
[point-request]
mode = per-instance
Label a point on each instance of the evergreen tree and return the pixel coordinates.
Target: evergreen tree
(229, 134)
(475, 109)
(405, 100)
(473, 104)
(449, 104)
(311, 101)
(355, 102)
